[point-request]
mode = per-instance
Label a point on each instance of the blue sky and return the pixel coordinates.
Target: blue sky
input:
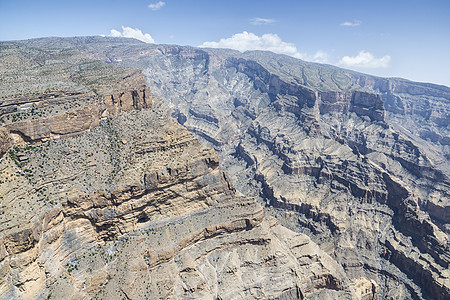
(396, 38)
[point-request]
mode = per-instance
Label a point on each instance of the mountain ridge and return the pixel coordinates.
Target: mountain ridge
(57, 42)
(258, 120)
(357, 163)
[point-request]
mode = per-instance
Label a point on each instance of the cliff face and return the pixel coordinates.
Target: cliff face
(79, 120)
(358, 163)
(168, 224)
(103, 195)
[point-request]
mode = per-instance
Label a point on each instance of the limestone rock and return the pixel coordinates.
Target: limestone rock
(367, 104)
(103, 195)
(347, 156)
(5, 141)
(136, 99)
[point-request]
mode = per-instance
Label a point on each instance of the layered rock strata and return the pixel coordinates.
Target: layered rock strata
(350, 159)
(160, 220)
(103, 195)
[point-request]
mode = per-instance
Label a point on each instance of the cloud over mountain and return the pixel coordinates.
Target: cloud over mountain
(136, 33)
(365, 59)
(246, 41)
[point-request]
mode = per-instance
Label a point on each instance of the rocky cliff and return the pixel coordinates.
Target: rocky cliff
(358, 163)
(103, 195)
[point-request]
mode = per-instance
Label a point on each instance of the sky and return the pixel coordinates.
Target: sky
(389, 38)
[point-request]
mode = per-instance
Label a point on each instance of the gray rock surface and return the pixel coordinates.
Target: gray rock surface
(358, 163)
(103, 195)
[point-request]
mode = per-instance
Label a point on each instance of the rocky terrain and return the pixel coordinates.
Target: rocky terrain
(106, 196)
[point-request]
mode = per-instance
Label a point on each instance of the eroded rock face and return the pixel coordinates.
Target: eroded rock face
(368, 104)
(358, 164)
(351, 160)
(5, 141)
(79, 120)
(166, 222)
(126, 100)
(103, 195)
(66, 124)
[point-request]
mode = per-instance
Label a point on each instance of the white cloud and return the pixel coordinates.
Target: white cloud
(365, 60)
(246, 41)
(319, 56)
(351, 24)
(156, 6)
(261, 21)
(249, 41)
(129, 32)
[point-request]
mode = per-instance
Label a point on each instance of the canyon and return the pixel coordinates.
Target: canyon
(132, 170)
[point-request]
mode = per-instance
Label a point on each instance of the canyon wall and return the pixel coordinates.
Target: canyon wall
(104, 195)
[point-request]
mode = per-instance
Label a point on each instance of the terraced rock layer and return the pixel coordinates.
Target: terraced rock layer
(358, 163)
(103, 195)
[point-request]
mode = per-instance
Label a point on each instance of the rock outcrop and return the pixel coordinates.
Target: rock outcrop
(103, 195)
(367, 104)
(125, 100)
(5, 141)
(351, 160)
(158, 227)
(79, 120)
